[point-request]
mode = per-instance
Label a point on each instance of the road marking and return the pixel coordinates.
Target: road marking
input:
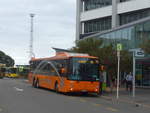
(94, 104)
(1, 109)
(72, 98)
(111, 109)
(97, 105)
(82, 100)
(26, 80)
(106, 97)
(18, 89)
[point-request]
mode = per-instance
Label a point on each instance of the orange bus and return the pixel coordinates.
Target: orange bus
(66, 72)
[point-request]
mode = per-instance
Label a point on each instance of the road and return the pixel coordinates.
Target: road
(18, 96)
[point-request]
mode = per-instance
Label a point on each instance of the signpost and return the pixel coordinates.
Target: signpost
(119, 48)
(138, 52)
(133, 81)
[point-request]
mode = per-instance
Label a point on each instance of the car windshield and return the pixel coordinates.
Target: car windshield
(84, 69)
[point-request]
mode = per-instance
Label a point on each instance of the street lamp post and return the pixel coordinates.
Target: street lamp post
(31, 36)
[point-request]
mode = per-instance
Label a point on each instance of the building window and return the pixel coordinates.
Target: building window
(93, 4)
(124, 0)
(130, 37)
(133, 16)
(97, 25)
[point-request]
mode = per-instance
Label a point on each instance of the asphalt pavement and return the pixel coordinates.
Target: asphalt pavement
(18, 96)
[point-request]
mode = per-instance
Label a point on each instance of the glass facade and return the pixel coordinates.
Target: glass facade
(133, 16)
(93, 4)
(142, 72)
(132, 37)
(97, 25)
(124, 36)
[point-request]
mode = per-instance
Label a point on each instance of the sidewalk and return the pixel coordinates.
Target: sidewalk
(142, 96)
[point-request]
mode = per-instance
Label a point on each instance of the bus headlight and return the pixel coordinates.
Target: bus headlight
(71, 89)
(97, 87)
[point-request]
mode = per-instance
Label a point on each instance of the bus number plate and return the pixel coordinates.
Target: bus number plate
(84, 91)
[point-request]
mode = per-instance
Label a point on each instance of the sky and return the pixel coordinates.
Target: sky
(54, 26)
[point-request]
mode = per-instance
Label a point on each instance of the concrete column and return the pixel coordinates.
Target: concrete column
(78, 14)
(115, 16)
(82, 28)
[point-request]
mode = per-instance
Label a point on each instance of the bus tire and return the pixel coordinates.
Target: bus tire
(98, 94)
(56, 87)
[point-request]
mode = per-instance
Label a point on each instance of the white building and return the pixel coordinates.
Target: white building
(95, 16)
(117, 21)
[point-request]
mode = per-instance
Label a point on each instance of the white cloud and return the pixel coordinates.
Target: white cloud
(54, 26)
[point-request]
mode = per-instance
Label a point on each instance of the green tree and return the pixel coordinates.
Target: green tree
(106, 54)
(126, 61)
(89, 45)
(5, 59)
(146, 46)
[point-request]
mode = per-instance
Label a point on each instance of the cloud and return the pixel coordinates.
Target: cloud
(54, 26)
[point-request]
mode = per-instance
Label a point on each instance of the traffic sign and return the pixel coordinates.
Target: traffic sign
(119, 47)
(139, 53)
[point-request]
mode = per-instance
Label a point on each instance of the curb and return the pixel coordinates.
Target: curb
(137, 104)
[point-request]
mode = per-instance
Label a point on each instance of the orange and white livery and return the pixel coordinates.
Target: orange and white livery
(66, 72)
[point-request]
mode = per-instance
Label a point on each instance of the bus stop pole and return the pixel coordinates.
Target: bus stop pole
(133, 82)
(118, 54)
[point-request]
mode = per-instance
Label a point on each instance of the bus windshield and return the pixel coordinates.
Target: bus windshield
(13, 70)
(84, 69)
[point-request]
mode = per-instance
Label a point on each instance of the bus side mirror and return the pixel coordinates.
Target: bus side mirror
(102, 68)
(63, 70)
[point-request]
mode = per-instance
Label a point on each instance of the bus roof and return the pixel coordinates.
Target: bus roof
(64, 55)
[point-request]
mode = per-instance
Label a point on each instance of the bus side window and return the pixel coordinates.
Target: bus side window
(34, 65)
(61, 66)
(70, 67)
(52, 70)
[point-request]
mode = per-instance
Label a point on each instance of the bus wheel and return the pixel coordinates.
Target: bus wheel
(56, 87)
(37, 83)
(98, 94)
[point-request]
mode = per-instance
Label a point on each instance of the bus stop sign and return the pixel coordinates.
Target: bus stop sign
(119, 47)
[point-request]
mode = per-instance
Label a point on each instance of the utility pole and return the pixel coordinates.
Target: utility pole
(31, 37)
